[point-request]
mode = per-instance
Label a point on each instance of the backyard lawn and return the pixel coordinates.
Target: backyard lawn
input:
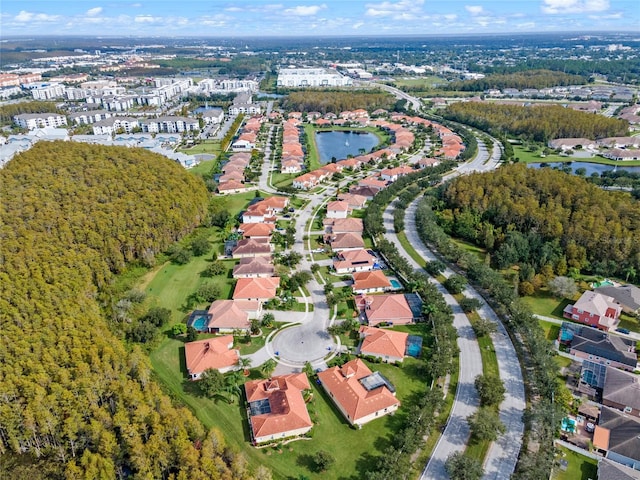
(544, 303)
(295, 459)
(551, 330)
(578, 466)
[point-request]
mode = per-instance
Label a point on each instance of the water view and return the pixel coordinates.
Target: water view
(590, 168)
(342, 144)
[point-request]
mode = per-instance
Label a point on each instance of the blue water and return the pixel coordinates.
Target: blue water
(589, 167)
(200, 324)
(395, 284)
(342, 144)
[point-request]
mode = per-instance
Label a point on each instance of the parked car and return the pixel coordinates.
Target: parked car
(623, 330)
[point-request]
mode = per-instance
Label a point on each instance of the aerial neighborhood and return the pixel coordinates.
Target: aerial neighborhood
(356, 259)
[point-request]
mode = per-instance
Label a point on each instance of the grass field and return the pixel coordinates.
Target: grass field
(551, 330)
(295, 459)
(420, 82)
(579, 467)
(480, 252)
(544, 303)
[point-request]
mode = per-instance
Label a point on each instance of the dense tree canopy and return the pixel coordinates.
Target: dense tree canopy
(546, 219)
(70, 216)
(7, 112)
(337, 101)
(520, 80)
(540, 123)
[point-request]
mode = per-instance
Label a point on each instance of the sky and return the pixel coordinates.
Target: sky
(237, 18)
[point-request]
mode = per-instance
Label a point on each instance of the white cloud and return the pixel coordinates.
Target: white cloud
(25, 16)
(574, 6)
(474, 9)
(611, 16)
(92, 12)
(147, 19)
(233, 9)
(357, 25)
(394, 9)
(136, 5)
(450, 16)
(304, 10)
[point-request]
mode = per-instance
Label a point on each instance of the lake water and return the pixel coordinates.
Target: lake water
(589, 167)
(342, 144)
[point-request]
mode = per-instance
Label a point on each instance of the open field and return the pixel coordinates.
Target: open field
(544, 303)
(425, 83)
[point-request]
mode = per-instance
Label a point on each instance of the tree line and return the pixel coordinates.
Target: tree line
(539, 123)
(523, 79)
(336, 101)
(547, 222)
(7, 112)
(73, 398)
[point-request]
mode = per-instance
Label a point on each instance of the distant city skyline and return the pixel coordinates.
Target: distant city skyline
(218, 18)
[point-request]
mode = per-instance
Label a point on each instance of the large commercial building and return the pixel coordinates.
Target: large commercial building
(311, 77)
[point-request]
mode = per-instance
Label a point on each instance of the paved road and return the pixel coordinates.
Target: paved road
(456, 433)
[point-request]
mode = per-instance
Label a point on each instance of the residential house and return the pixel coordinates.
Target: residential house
(337, 209)
(627, 296)
(254, 267)
(387, 345)
(596, 310)
(622, 154)
(260, 289)
(393, 174)
(608, 470)
(252, 247)
(617, 435)
(359, 394)
(256, 230)
(231, 186)
(619, 142)
(344, 225)
(356, 202)
(277, 408)
(389, 309)
(375, 183)
(599, 347)
(370, 282)
(235, 175)
(227, 317)
(346, 241)
(216, 353)
(366, 191)
(622, 391)
(428, 162)
(571, 143)
(349, 261)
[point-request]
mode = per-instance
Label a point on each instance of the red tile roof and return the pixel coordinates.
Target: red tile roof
(368, 280)
(383, 343)
(262, 288)
(214, 352)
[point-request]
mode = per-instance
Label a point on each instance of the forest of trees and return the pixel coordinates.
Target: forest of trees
(520, 80)
(539, 123)
(337, 101)
(7, 112)
(74, 402)
(546, 221)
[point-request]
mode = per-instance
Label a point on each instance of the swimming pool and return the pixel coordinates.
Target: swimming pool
(199, 322)
(395, 284)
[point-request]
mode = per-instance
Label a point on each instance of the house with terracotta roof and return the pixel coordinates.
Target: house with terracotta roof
(305, 181)
(387, 345)
(254, 267)
(226, 317)
(216, 353)
(365, 191)
(337, 209)
(360, 394)
(390, 309)
(343, 225)
(236, 175)
(350, 261)
(428, 162)
(617, 436)
(370, 282)
(256, 230)
(277, 408)
(252, 247)
(596, 310)
(260, 289)
(393, 174)
(373, 183)
(231, 186)
(346, 241)
(356, 202)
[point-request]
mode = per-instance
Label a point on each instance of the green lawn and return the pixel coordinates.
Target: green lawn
(480, 252)
(295, 458)
(534, 157)
(551, 330)
(629, 322)
(579, 467)
(544, 303)
(421, 82)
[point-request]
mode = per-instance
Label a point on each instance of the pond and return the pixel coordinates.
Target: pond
(342, 144)
(589, 167)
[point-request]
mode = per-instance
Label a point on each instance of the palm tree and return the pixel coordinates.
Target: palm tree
(244, 363)
(268, 367)
(631, 272)
(232, 383)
